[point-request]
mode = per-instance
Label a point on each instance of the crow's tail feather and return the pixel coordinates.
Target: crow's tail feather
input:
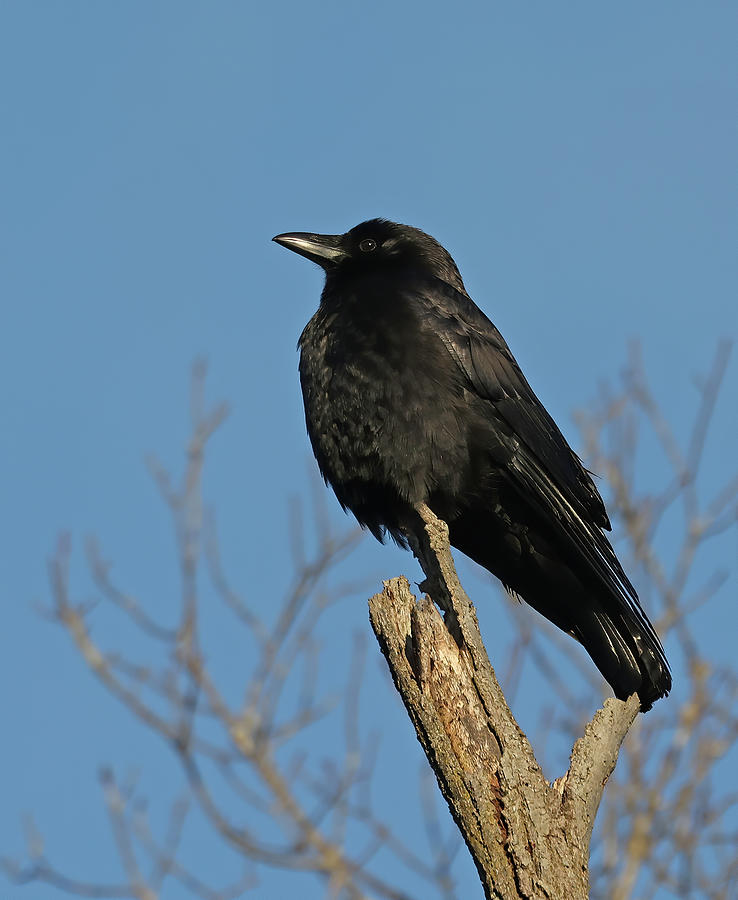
(627, 655)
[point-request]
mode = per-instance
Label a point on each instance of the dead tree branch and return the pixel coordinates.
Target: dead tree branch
(529, 839)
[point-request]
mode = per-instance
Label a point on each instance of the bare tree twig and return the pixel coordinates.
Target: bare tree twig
(667, 821)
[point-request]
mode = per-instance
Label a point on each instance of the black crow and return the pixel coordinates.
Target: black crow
(412, 396)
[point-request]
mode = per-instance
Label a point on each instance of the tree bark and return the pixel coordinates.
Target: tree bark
(528, 838)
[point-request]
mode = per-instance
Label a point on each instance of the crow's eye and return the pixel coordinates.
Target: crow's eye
(367, 245)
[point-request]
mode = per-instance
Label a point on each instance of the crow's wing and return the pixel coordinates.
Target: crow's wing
(544, 470)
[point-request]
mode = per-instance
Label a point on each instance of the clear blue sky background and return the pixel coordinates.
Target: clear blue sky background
(578, 160)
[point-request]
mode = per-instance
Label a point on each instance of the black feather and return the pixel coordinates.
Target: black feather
(412, 396)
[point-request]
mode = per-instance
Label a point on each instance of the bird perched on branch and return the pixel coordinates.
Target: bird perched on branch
(412, 396)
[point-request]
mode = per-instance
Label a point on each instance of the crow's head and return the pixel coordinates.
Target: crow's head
(377, 246)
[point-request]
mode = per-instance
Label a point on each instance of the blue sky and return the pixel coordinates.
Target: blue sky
(577, 160)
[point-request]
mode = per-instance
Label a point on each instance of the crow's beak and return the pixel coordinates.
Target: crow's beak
(324, 249)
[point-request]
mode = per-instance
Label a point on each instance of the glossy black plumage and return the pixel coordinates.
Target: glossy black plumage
(412, 395)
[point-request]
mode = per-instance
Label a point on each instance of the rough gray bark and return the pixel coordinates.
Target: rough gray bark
(528, 838)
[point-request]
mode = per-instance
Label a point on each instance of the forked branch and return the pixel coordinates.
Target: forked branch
(529, 839)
